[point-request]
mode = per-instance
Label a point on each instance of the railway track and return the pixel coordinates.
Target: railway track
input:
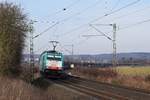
(99, 94)
(131, 93)
(103, 91)
(143, 91)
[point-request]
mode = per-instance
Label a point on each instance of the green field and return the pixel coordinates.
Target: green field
(135, 71)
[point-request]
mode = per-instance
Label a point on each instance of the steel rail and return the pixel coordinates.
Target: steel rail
(91, 91)
(131, 93)
(143, 91)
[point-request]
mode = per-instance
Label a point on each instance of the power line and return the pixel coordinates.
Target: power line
(131, 25)
(72, 4)
(101, 17)
(82, 41)
(67, 18)
(79, 13)
(128, 26)
(46, 30)
(130, 4)
(90, 35)
(130, 13)
(65, 8)
(117, 10)
(90, 21)
(39, 49)
(115, 6)
(135, 24)
(83, 11)
(65, 49)
(72, 48)
(102, 33)
(118, 17)
(113, 40)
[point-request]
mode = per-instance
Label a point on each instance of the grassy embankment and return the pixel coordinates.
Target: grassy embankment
(134, 71)
(22, 88)
(138, 77)
(17, 89)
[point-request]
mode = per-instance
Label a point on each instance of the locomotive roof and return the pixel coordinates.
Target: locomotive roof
(51, 51)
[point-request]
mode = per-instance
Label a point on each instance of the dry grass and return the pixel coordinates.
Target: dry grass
(15, 89)
(132, 81)
(118, 78)
(39, 89)
(95, 73)
(134, 71)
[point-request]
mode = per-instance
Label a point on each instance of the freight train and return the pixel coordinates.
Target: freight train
(52, 64)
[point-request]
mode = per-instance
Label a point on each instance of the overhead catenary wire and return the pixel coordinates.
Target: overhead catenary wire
(130, 4)
(82, 41)
(95, 19)
(68, 18)
(41, 48)
(81, 12)
(72, 4)
(116, 18)
(101, 17)
(59, 11)
(64, 8)
(131, 25)
(127, 26)
(135, 24)
(130, 13)
(115, 6)
(46, 29)
(75, 14)
(117, 10)
(65, 49)
(102, 33)
(75, 44)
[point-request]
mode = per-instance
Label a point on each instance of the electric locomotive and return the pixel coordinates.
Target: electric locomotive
(51, 64)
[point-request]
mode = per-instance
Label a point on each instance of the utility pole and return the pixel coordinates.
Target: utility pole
(72, 46)
(72, 50)
(113, 39)
(114, 62)
(31, 50)
(31, 46)
(31, 62)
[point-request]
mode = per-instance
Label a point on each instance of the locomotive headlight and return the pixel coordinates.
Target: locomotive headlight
(72, 66)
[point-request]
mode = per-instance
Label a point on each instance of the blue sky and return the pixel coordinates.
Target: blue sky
(74, 23)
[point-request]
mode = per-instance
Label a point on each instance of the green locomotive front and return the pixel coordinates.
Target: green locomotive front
(51, 63)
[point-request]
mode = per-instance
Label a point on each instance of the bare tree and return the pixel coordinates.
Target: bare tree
(13, 28)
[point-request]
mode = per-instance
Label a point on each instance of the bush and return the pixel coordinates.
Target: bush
(116, 82)
(13, 29)
(147, 78)
(26, 74)
(97, 72)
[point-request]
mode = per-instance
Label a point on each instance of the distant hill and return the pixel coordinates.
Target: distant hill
(102, 58)
(106, 58)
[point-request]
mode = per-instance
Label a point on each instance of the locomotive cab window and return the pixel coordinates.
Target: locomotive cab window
(54, 58)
